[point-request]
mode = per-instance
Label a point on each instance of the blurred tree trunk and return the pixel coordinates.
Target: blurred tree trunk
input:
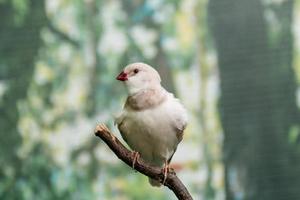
(94, 33)
(19, 44)
(205, 69)
(258, 104)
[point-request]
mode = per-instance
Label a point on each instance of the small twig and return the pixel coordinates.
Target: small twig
(172, 181)
(61, 35)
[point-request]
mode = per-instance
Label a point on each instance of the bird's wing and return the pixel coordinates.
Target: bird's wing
(179, 118)
(169, 160)
(179, 123)
(179, 129)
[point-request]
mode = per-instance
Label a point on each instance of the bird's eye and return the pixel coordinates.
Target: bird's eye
(135, 71)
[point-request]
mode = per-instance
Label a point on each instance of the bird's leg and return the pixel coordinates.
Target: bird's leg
(136, 156)
(166, 170)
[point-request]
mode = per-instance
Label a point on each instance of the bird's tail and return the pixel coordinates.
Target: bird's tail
(154, 182)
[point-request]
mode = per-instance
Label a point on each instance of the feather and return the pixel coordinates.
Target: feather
(152, 121)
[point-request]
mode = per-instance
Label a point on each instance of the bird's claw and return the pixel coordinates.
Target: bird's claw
(166, 169)
(171, 170)
(136, 156)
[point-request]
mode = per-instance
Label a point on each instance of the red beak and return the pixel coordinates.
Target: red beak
(122, 77)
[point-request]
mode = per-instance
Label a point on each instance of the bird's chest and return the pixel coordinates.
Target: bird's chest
(147, 127)
(150, 133)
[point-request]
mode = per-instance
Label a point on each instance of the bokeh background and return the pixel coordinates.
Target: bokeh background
(235, 64)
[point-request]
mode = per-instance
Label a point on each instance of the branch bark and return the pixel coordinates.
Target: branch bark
(172, 181)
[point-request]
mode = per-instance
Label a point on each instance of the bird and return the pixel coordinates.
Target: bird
(152, 121)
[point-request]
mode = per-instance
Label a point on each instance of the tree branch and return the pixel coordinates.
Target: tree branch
(61, 35)
(172, 181)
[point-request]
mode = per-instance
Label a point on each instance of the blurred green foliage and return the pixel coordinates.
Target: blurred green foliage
(58, 62)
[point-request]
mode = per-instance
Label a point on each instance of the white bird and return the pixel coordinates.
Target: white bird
(152, 120)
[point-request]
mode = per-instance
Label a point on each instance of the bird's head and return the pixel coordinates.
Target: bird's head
(139, 76)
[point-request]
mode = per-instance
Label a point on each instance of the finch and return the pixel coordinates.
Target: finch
(152, 121)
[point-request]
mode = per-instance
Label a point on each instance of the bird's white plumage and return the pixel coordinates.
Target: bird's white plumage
(153, 120)
(154, 133)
